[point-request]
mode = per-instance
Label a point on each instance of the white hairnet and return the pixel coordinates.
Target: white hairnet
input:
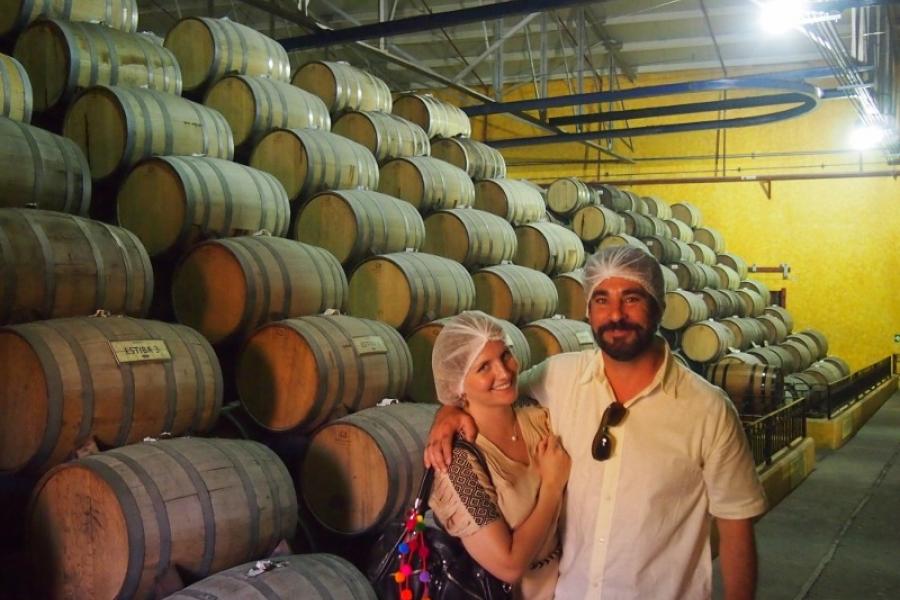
(457, 346)
(627, 262)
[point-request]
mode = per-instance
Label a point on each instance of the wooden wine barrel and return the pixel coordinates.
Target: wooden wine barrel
(207, 49)
(782, 313)
(623, 239)
(726, 277)
(307, 161)
(343, 87)
(642, 226)
(51, 171)
(116, 380)
(818, 338)
(687, 213)
(667, 250)
(427, 183)
(690, 275)
(682, 309)
(658, 208)
(515, 200)
(774, 328)
(547, 337)
(735, 262)
(297, 374)
(670, 279)
(710, 237)
(758, 286)
(549, 248)
(703, 254)
(755, 389)
(201, 504)
(718, 304)
(637, 201)
(826, 372)
(308, 576)
(254, 106)
(814, 345)
(615, 199)
(437, 117)
(710, 275)
(386, 136)
(753, 303)
(117, 127)
(515, 293)
(477, 159)
(767, 355)
(421, 344)
(362, 471)
(680, 231)
(173, 202)
(16, 98)
(839, 363)
(593, 223)
(58, 265)
(746, 331)
(227, 288)
(706, 341)
(473, 238)
(356, 224)
(567, 195)
(118, 14)
(63, 58)
(740, 357)
(570, 289)
(800, 351)
(406, 289)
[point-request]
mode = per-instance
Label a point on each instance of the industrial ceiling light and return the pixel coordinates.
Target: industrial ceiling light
(780, 16)
(867, 137)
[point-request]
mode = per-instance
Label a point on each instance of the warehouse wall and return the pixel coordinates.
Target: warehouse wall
(840, 237)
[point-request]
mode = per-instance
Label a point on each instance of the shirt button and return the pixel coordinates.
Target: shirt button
(602, 540)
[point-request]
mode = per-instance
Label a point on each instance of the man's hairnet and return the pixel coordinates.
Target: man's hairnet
(627, 262)
(457, 346)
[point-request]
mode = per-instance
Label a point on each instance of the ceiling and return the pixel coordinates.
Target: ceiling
(578, 42)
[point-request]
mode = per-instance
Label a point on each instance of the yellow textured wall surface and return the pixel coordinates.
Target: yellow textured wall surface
(840, 237)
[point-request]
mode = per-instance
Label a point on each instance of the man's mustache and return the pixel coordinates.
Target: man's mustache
(619, 326)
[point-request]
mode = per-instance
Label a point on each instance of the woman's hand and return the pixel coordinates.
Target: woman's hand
(553, 463)
(447, 422)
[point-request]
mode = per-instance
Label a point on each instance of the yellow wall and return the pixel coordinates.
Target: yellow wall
(840, 237)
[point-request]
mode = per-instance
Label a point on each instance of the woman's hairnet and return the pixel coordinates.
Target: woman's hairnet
(457, 346)
(627, 262)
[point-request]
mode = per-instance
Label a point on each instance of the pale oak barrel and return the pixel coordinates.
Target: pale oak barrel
(62, 384)
(658, 208)
(476, 158)
(758, 286)
(718, 303)
(774, 356)
(775, 329)
(307, 576)
(593, 223)
(547, 337)
(226, 288)
(297, 374)
(800, 350)
(207, 49)
(840, 363)
(733, 261)
(517, 201)
(356, 224)
(690, 275)
(473, 238)
(64, 58)
(386, 136)
(15, 15)
(202, 505)
(667, 250)
(421, 344)
(173, 202)
(406, 289)
(727, 277)
(755, 389)
(615, 199)
(680, 231)
(640, 225)
(682, 309)
(437, 117)
(710, 237)
(687, 213)
(782, 313)
(343, 87)
(515, 293)
(623, 239)
(51, 171)
(570, 289)
(16, 98)
(826, 372)
(117, 127)
(254, 106)
(752, 302)
(363, 471)
(746, 331)
(567, 195)
(427, 183)
(307, 161)
(706, 341)
(703, 254)
(549, 248)
(58, 265)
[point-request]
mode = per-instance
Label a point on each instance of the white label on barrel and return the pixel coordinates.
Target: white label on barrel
(584, 337)
(369, 344)
(140, 351)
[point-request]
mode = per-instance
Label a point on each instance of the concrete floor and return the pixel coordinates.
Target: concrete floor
(837, 536)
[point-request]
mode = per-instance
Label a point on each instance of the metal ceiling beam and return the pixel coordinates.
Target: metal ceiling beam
(487, 12)
(495, 46)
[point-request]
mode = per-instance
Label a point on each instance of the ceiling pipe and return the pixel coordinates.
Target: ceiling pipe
(487, 12)
(893, 173)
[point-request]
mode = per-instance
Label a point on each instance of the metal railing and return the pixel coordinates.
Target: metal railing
(776, 431)
(826, 400)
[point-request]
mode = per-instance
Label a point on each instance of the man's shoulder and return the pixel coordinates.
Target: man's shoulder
(567, 361)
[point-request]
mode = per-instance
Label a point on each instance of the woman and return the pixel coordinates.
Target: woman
(506, 519)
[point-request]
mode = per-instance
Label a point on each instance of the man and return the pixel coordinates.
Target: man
(655, 451)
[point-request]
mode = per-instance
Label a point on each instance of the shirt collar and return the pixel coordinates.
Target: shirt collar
(666, 376)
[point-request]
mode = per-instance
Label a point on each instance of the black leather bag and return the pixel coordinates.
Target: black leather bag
(453, 574)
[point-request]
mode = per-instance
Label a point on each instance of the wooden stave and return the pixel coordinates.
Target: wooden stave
(522, 286)
(391, 136)
(547, 337)
(431, 191)
(349, 88)
(490, 239)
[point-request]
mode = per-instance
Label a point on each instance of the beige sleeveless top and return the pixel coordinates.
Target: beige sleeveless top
(465, 499)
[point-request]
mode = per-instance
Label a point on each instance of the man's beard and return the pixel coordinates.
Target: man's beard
(623, 349)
